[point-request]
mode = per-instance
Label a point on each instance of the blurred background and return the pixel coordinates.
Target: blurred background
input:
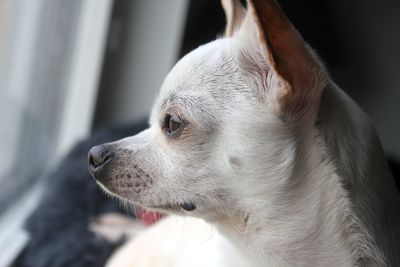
(69, 67)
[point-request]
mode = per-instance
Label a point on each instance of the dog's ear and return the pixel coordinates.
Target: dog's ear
(235, 14)
(295, 71)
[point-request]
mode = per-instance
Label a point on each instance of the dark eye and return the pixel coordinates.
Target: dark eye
(172, 124)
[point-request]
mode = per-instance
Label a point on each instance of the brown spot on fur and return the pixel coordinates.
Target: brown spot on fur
(234, 161)
(246, 220)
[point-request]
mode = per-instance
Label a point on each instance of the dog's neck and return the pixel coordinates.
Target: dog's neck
(311, 223)
(306, 227)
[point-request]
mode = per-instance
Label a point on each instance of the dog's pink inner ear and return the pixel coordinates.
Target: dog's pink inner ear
(235, 14)
(292, 61)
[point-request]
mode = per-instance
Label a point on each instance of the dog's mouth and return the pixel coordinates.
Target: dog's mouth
(148, 217)
(186, 206)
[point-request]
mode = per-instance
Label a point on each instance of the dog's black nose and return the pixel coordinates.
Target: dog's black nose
(97, 156)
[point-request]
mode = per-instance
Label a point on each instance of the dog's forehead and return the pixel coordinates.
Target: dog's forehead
(202, 72)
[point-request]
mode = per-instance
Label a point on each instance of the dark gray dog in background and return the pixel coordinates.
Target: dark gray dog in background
(58, 228)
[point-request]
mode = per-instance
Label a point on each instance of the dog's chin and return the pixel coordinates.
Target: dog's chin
(167, 207)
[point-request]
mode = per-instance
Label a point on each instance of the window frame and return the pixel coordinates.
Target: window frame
(83, 71)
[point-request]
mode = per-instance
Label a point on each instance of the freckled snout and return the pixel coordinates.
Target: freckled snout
(123, 168)
(98, 159)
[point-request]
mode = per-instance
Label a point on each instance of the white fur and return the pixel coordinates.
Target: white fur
(173, 242)
(283, 192)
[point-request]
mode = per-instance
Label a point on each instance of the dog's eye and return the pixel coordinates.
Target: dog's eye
(172, 124)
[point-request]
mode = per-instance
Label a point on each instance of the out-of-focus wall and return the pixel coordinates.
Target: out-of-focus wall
(145, 39)
(371, 33)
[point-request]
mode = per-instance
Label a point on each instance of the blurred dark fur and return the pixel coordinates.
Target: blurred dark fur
(58, 228)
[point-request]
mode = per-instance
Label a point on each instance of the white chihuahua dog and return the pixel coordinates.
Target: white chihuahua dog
(250, 134)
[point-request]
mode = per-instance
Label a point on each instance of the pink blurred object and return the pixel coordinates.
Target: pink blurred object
(148, 217)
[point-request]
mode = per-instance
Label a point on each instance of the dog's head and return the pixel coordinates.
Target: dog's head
(225, 125)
